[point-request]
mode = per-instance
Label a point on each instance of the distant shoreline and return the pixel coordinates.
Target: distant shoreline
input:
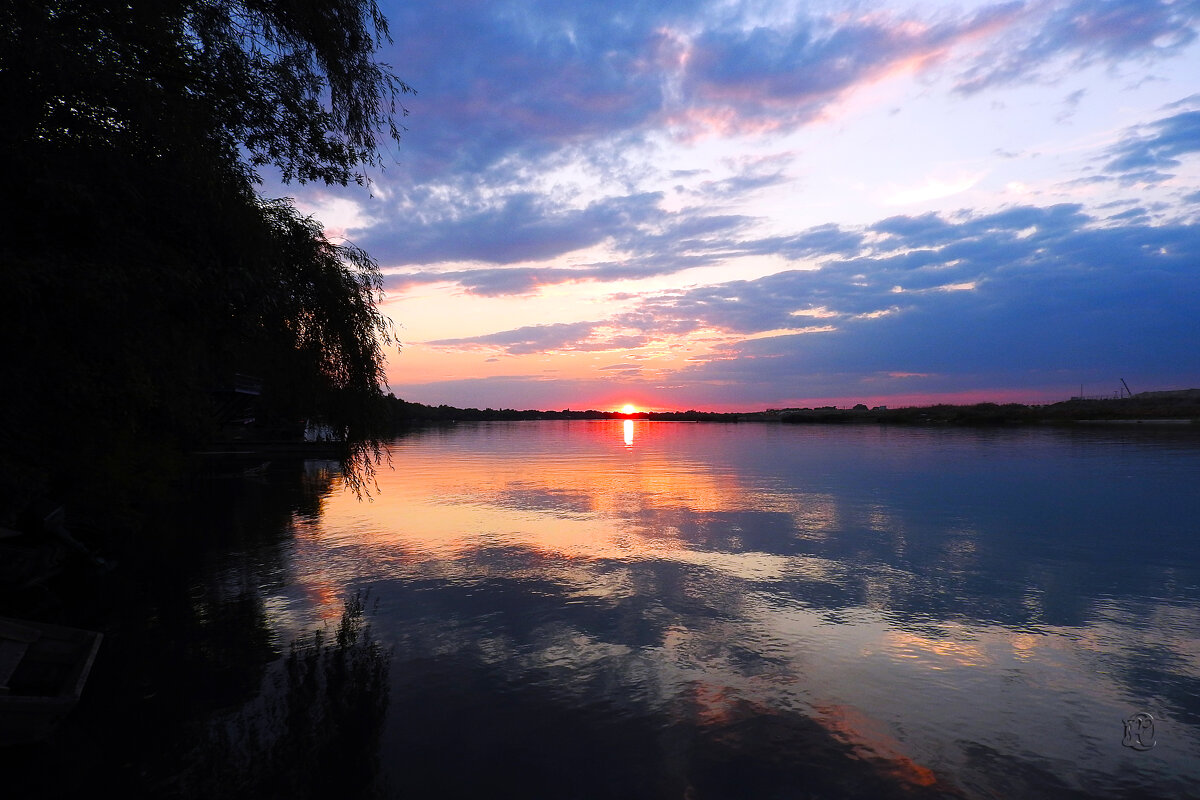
(1178, 408)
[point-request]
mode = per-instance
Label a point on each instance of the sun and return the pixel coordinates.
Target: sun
(629, 408)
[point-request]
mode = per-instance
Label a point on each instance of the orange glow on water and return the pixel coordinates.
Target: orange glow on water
(872, 738)
(626, 496)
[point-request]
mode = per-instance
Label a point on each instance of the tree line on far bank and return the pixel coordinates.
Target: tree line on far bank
(1181, 405)
(401, 414)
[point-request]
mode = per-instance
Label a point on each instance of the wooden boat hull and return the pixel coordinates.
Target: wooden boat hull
(43, 669)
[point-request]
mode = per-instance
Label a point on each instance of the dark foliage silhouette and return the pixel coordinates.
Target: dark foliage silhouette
(142, 269)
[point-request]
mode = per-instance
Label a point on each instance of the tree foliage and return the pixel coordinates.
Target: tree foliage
(142, 268)
(294, 83)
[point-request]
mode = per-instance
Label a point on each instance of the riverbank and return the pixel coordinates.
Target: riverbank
(1154, 408)
(1174, 408)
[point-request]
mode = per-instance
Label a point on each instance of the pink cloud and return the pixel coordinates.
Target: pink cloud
(765, 81)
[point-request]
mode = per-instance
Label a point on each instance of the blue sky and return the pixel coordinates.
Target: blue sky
(745, 205)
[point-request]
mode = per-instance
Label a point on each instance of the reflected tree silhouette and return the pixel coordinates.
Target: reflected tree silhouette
(314, 732)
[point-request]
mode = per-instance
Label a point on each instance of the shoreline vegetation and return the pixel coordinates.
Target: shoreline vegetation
(156, 288)
(1181, 407)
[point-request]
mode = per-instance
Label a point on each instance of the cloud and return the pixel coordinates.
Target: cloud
(511, 93)
(503, 84)
(515, 228)
(530, 339)
(558, 337)
(1026, 288)
(523, 228)
(932, 188)
(1145, 154)
(657, 243)
(504, 78)
(1021, 297)
(744, 80)
(487, 282)
(1050, 38)
(740, 185)
(1070, 105)
(819, 241)
(1006, 296)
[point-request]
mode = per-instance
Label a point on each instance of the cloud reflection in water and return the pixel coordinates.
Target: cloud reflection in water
(952, 611)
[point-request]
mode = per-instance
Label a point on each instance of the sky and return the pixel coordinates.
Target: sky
(750, 205)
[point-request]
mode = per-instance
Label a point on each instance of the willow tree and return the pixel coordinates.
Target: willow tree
(141, 266)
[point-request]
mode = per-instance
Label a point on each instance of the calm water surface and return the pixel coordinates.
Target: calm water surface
(640, 609)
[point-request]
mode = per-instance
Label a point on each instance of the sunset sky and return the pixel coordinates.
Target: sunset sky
(748, 205)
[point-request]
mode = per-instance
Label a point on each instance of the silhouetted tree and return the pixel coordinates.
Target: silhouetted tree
(140, 267)
(293, 82)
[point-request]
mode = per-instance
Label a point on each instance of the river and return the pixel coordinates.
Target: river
(647, 609)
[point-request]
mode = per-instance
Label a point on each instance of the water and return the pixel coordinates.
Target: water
(587, 609)
(672, 610)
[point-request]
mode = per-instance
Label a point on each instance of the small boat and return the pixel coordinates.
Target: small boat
(42, 672)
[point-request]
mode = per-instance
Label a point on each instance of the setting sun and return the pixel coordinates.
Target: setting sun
(628, 408)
